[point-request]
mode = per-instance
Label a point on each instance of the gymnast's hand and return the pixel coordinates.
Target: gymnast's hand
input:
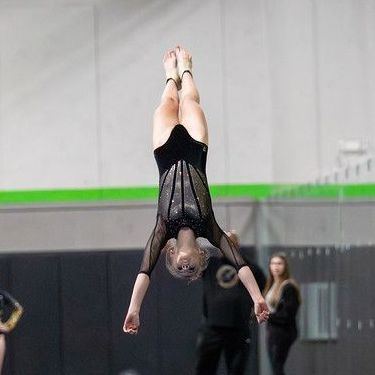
(261, 311)
(131, 323)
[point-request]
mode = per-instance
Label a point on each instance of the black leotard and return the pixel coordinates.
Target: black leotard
(184, 199)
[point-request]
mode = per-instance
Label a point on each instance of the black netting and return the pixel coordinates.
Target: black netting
(219, 239)
(154, 245)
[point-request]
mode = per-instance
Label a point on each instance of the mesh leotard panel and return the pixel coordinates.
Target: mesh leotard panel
(184, 199)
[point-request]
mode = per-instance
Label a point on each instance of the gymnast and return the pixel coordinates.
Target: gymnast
(180, 143)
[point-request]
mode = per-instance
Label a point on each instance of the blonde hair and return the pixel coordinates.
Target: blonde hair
(186, 274)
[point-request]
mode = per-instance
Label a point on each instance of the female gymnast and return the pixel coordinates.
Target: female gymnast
(180, 140)
(9, 325)
(283, 298)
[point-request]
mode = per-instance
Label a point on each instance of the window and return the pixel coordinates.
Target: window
(318, 311)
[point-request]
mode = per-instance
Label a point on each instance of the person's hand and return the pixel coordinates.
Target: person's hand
(261, 311)
(131, 323)
(233, 235)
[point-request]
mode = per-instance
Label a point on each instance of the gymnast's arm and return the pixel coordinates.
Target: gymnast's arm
(244, 272)
(153, 248)
(260, 306)
(230, 250)
(141, 284)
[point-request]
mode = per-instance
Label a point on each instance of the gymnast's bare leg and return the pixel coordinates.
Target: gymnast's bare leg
(190, 112)
(166, 114)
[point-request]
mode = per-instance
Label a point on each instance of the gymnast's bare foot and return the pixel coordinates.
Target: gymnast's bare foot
(170, 66)
(184, 61)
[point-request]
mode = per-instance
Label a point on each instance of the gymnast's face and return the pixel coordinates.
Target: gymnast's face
(277, 267)
(186, 260)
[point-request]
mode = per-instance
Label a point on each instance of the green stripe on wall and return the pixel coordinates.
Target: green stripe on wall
(77, 195)
(332, 191)
(251, 191)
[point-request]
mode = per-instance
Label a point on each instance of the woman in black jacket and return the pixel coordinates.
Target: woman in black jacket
(283, 299)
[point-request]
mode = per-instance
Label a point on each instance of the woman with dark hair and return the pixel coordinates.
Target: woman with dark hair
(180, 143)
(283, 299)
(7, 326)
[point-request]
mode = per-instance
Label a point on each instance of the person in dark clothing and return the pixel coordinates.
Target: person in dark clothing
(283, 298)
(180, 143)
(226, 317)
(5, 327)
